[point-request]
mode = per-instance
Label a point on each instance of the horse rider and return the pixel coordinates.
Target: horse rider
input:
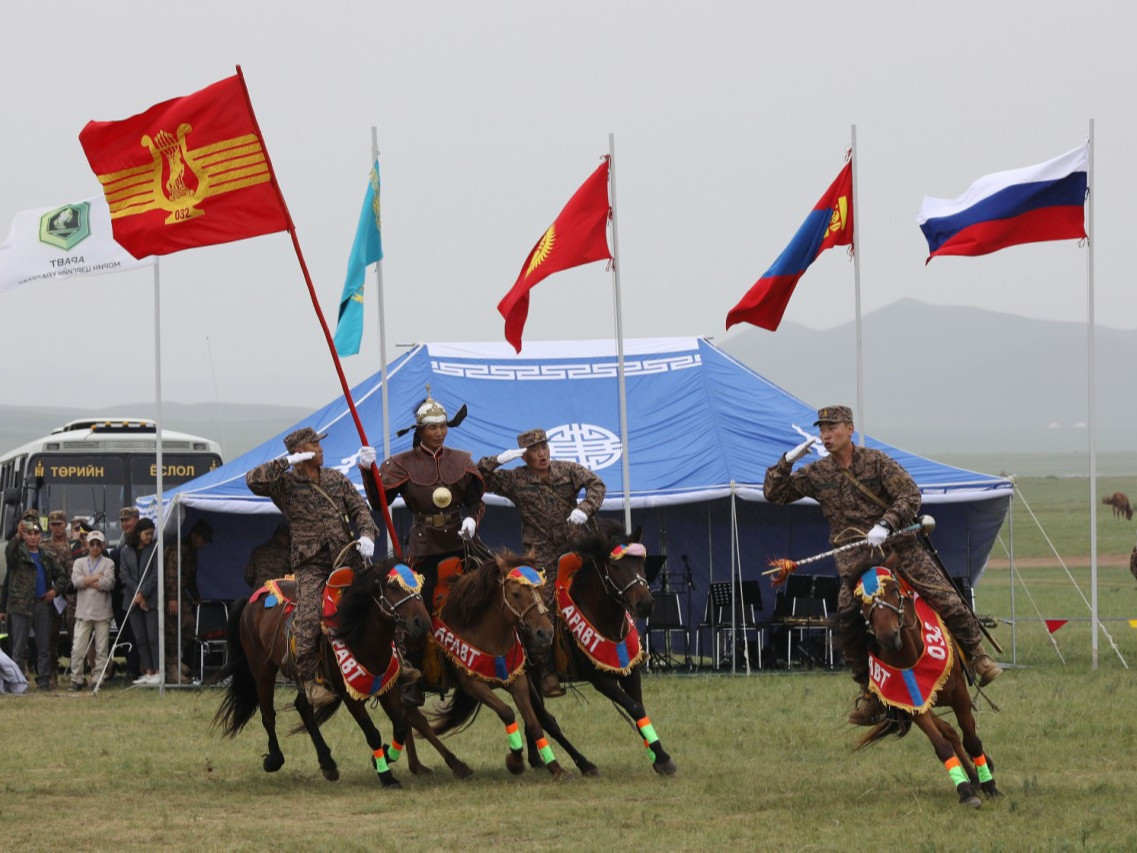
(865, 494)
(443, 490)
(545, 492)
(320, 505)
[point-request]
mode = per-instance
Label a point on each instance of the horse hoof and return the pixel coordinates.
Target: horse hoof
(590, 770)
(272, 763)
(972, 802)
(332, 774)
(388, 780)
(665, 768)
(990, 790)
(420, 770)
(462, 770)
(559, 773)
(515, 764)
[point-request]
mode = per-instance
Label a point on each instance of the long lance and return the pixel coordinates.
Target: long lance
(783, 568)
(926, 541)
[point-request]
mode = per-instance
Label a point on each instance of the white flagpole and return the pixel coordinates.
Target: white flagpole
(1092, 401)
(382, 321)
(159, 524)
(619, 336)
(857, 291)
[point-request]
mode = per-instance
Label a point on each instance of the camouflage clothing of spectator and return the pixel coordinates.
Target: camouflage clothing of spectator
(59, 546)
(270, 560)
(320, 515)
(851, 513)
(544, 503)
(25, 611)
(186, 613)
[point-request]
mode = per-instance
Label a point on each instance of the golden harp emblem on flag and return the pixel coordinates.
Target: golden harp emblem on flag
(178, 179)
(544, 249)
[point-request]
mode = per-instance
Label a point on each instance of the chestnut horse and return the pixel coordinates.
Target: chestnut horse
(914, 667)
(378, 599)
(596, 588)
(1121, 506)
(476, 631)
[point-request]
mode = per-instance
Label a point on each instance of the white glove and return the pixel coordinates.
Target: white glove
(577, 516)
(367, 457)
(366, 547)
(469, 527)
(510, 455)
(877, 535)
(800, 451)
(293, 458)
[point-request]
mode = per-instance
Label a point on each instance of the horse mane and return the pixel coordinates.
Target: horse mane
(596, 545)
(476, 590)
(358, 601)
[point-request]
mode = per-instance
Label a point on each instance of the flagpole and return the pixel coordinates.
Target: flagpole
(1090, 332)
(161, 568)
(382, 321)
(626, 470)
(857, 297)
(323, 323)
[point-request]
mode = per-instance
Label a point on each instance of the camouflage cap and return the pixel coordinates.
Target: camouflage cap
(127, 512)
(30, 513)
(834, 415)
(531, 437)
(30, 524)
(56, 515)
(304, 435)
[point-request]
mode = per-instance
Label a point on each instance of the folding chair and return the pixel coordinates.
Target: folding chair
(666, 617)
(717, 619)
(803, 607)
(210, 632)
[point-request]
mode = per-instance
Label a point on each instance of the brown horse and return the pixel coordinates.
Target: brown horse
(378, 599)
(1121, 506)
(597, 586)
(903, 640)
(477, 633)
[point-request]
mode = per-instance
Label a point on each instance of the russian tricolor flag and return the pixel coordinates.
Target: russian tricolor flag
(830, 223)
(1029, 205)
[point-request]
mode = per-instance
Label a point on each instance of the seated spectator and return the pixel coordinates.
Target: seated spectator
(271, 559)
(93, 578)
(11, 676)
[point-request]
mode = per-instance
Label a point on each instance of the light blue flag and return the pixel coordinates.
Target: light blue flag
(367, 249)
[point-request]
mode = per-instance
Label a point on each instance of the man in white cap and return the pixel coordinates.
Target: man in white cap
(92, 575)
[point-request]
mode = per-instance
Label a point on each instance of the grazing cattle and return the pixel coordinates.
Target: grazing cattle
(1120, 503)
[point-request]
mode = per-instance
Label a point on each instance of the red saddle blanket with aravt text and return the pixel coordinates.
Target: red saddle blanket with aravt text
(502, 669)
(915, 689)
(619, 656)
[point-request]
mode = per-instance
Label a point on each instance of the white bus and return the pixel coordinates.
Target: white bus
(93, 467)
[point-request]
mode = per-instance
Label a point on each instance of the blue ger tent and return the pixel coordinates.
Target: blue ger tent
(702, 429)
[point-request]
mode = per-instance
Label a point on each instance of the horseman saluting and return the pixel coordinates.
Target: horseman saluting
(321, 505)
(861, 489)
(545, 493)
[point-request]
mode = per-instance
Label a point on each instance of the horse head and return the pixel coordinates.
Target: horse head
(521, 598)
(883, 606)
(400, 597)
(619, 560)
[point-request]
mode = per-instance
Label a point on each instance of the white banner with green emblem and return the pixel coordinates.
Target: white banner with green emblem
(53, 243)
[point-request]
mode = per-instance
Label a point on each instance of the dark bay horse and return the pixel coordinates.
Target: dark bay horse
(477, 633)
(914, 667)
(1121, 506)
(596, 588)
(378, 599)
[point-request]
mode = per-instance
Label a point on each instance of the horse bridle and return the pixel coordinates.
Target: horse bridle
(610, 588)
(392, 610)
(537, 602)
(878, 601)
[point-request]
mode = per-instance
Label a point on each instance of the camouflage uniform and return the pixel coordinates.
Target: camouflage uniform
(544, 504)
(851, 514)
(270, 560)
(24, 611)
(416, 474)
(61, 550)
(320, 530)
(189, 599)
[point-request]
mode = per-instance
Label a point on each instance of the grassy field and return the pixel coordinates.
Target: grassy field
(765, 762)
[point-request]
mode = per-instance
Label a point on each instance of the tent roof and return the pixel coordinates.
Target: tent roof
(699, 422)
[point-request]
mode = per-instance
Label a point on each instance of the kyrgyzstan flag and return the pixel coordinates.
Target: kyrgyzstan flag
(188, 172)
(578, 236)
(830, 223)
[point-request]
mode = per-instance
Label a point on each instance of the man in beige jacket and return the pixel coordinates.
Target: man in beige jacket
(92, 576)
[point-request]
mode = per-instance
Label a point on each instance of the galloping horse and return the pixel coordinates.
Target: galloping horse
(372, 602)
(596, 587)
(914, 666)
(1121, 506)
(476, 631)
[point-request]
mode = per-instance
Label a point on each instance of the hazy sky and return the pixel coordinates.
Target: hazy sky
(730, 120)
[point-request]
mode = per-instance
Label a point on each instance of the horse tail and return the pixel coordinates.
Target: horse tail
(455, 715)
(882, 730)
(240, 701)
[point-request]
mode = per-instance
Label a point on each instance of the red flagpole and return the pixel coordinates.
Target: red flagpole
(323, 324)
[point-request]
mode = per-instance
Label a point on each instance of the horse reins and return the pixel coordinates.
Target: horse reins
(540, 605)
(878, 601)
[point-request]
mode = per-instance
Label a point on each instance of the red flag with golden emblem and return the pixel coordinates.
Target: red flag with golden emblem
(578, 236)
(188, 172)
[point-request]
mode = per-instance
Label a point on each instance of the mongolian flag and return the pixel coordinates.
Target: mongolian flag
(830, 223)
(1029, 205)
(578, 236)
(188, 172)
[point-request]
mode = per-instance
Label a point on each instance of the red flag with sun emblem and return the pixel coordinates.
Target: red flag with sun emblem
(578, 236)
(191, 171)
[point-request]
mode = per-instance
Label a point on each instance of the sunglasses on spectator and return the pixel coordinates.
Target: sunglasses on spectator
(98, 542)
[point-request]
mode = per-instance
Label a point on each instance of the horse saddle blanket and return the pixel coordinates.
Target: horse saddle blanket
(277, 592)
(495, 669)
(915, 689)
(618, 656)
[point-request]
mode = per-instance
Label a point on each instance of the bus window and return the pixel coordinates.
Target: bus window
(79, 484)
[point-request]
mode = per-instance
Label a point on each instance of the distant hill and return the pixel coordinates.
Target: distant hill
(941, 379)
(236, 426)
